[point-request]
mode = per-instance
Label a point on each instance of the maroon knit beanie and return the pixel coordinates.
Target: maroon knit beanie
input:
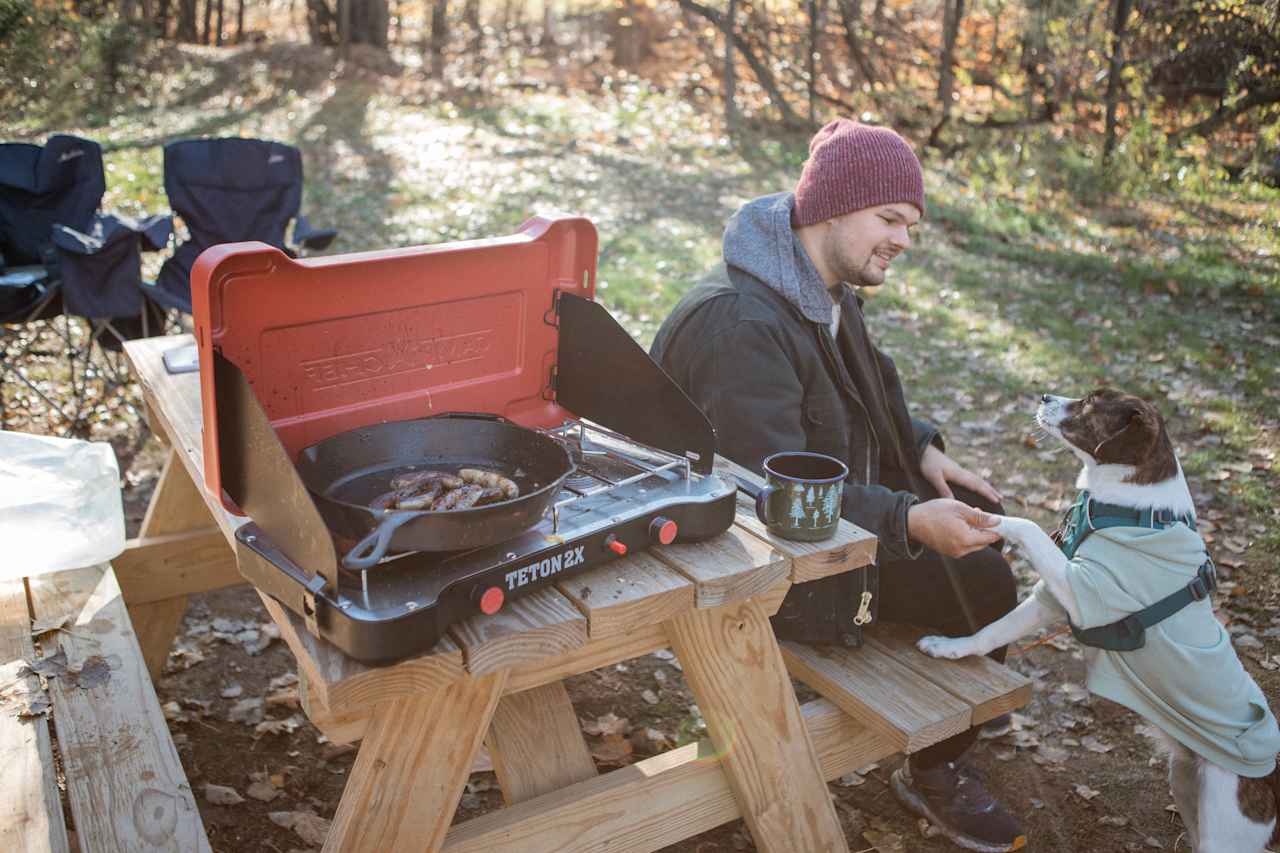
(854, 166)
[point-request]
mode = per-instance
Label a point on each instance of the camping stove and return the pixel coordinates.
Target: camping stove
(293, 352)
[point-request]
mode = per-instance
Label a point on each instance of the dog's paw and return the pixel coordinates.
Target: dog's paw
(951, 648)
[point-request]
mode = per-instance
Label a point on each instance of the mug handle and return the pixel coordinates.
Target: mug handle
(762, 504)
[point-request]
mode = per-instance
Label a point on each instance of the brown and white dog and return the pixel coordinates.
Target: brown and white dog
(1128, 460)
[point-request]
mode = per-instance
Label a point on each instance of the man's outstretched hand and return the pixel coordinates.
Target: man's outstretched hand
(940, 469)
(950, 527)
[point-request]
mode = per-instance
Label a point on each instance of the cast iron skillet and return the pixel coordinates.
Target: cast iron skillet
(345, 472)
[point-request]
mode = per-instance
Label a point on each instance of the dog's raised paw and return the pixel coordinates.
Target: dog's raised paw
(944, 647)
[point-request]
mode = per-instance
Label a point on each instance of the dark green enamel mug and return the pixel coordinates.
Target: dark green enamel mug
(802, 495)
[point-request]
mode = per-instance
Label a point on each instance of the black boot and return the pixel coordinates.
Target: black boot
(954, 799)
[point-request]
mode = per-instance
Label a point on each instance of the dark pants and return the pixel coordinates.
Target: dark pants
(921, 593)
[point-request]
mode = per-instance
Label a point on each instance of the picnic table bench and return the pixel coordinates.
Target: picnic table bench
(498, 680)
(124, 782)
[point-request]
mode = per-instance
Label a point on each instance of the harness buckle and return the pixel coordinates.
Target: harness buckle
(1205, 583)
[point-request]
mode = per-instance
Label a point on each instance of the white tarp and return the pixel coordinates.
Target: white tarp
(60, 505)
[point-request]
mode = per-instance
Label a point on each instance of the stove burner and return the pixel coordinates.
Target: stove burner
(580, 483)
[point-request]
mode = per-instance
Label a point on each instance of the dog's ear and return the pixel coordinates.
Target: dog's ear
(1133, 442)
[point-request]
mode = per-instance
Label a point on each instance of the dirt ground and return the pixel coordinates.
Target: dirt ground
(1081, 771)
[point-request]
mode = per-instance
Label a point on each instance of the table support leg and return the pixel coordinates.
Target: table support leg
(732, 663)
(175, 507)
(536, 744)
(412, 765)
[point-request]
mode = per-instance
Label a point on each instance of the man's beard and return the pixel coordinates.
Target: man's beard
(860, 275)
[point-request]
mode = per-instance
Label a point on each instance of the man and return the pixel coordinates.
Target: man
(773, 347)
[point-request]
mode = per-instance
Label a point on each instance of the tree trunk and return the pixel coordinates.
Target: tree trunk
(439, 37)
(851, 18)
(239, 21)
(162, 19)
(760, 69)
(344, 27)
(730, 72)
(811, 65)
(952, 12)
(208, 21)
(370, 22)
(186, 20)
(217, 35)
(1114, 73)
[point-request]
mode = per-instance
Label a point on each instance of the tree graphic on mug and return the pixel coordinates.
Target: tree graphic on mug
(830, 505)
(797, 509)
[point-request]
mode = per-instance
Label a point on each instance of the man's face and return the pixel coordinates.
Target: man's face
(859, 246)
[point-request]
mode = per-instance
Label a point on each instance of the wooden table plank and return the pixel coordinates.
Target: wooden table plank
(411, 768)
(539, 625)
(175, 401)
(112, 736)
(656, 802)
(876, 690)
(159, 567)
(535, 742)
(731, 662)
(621, 597)
(989, 688)
(850, 548)
(31, 819)
(728, 568)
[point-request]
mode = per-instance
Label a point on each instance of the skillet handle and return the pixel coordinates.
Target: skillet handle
(372, 548)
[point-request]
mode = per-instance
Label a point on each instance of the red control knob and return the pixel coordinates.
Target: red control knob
(491, 600)
(663, 530)
(616, 545)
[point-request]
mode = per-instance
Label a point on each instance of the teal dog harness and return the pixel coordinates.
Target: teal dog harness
(1128, 634)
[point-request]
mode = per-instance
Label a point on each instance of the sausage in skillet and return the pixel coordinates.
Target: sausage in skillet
(417, 481)
(460, 498)
(491, 480)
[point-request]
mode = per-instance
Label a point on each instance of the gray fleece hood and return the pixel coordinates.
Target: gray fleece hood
(759, 241)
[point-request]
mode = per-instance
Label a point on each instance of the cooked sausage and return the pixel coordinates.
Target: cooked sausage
(423, 499)
(386, 500)
(451, 499)
(490, 496)
(490, 480)
(416, 481)
(470, 493)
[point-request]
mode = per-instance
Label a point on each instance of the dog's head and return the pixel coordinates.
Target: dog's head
(1109, 427)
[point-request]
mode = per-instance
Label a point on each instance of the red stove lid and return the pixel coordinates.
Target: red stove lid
(335, 343)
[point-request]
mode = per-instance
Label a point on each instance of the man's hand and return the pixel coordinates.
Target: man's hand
(950, 527)
(939, 469)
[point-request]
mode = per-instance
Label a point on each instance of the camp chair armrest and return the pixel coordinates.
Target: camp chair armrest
(306, 237)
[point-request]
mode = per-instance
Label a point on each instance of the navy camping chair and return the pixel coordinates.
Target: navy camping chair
(226, 191)
(61, 182)
(62, 257)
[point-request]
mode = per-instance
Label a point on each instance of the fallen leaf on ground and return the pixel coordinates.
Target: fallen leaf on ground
(263, 791)
(608, 724)
(885, 842)
(280, 682)
(309, 826)
(1113, 820)
(232, 692)
(248, 711)
(650, 697)
(278, 727)
(221, 795)
(1085, 792)
(612, 750)
(1092, 744)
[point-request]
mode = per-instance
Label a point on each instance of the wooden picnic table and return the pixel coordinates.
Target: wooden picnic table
(498, 680)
